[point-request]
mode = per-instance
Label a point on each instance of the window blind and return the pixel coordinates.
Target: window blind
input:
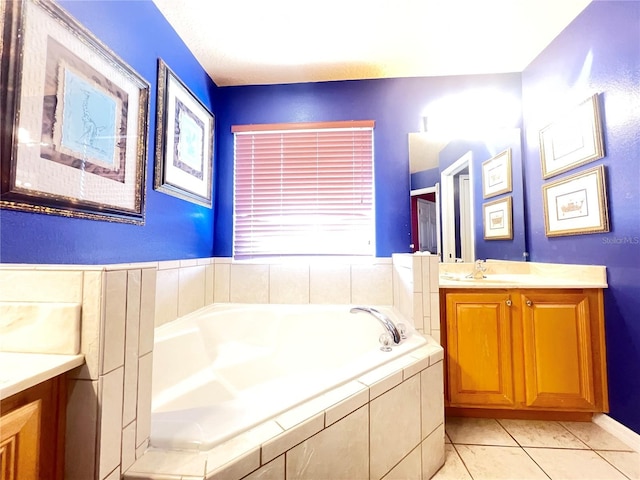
(303, 191)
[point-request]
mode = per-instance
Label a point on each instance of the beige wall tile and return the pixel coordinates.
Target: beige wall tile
(191, 292)
(432, 398)
(143, 415)
(188, 262)
(110, 444)
(417, 273)
(371, 284)
(208, 284)
(168, 264)
(434, 274)
(115, 475)
(436, 335)
(249, 283)
(221, 282)
(338, 452)
(289, 283)
(147, 310)
(166, 301)
(453, 467)
(274, 470)
(330, 284)
(435, 310)
(238, 468)
(40, 286)
(418, 320)
(357, 397)
(81, 429)
(91, 324)
(433, 455)
(170, 462)
(115, 306)
(283, 442)
(409, 468)
(128, 446)
(132, 333)
(394, 426)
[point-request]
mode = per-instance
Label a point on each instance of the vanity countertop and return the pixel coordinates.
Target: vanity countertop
(19, 371)
(504, 274)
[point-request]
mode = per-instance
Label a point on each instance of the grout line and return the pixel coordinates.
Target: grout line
(610, 463)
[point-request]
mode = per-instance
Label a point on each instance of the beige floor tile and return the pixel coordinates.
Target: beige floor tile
(538, 433)
(477, 431)
(567, 464)
(596, 437)
(627, 462)
(499, 463)
(453, 468)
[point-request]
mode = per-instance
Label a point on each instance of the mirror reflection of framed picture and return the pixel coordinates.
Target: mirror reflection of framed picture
(573, 140)
(497, 219)
(496, 175)
(184, 141)
(576, 205)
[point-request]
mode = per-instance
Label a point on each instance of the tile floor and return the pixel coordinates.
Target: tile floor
(488, 449)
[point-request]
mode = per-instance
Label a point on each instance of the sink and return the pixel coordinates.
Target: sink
(490, 279)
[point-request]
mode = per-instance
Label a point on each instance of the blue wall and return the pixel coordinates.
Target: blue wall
(397, 107)
(139, 34)
(598, 52)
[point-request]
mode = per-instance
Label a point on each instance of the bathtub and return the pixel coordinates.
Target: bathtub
(229, 367)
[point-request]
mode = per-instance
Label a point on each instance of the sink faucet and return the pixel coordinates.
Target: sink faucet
(479, 267)
(382, 318)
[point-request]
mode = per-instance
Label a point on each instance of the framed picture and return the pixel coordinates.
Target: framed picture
(573, 140)
(576, 205)
(496, 175)
(77, 116)
(184, 141)
(497, 219)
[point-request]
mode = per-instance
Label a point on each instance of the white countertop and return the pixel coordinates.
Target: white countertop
(19, 371)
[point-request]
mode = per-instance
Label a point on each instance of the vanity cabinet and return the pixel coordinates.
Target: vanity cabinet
(525, 349)
(32, 433)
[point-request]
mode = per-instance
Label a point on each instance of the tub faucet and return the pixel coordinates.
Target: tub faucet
(382, 318)
(478, 270)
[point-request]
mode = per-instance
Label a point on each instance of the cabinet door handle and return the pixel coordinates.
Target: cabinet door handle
(529, 303)
(508, 302)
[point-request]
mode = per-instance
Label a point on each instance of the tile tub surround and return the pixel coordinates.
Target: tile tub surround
(382, 425)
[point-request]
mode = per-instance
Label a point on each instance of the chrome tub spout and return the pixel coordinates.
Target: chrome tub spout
(383, 319)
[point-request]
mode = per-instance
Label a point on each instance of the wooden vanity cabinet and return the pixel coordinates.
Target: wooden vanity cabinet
(32, 433)
(525, 349)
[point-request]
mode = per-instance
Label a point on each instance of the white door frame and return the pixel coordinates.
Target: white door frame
(435, 189)
(448, 208)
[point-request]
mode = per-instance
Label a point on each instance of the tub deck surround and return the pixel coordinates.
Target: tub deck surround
(389, 418)
(507, 274)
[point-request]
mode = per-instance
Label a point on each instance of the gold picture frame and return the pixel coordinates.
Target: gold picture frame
(574, 140)
(76, 144)
(576, 205)
(497, 219)
(496, 175)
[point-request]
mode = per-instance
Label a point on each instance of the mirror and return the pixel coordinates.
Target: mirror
(447, 201)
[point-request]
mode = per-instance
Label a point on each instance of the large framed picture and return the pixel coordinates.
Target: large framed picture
(184, 141)
(496, 175)
(576, 205)
(573, 140)
(76, 116)
(497, 219)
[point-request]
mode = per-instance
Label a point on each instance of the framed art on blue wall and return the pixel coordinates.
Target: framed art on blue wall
(184, 141)
(75, 116)
(497, 219)
(496, 175)
(573, 140)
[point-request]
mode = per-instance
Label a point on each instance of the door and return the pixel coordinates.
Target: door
(479, 351)
(427, 226)
(556, 334)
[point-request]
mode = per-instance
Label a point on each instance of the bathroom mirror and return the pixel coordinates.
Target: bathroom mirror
(447, 201)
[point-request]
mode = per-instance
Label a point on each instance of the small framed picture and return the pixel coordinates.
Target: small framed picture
(184, 141)
(573, 140)
(576, 205)
(77, 116)
(496, 175)
(497, 219)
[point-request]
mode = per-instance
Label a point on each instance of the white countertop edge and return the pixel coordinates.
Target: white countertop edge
(519, 285)
(19, 371)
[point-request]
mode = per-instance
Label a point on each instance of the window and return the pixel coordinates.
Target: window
(303, 189)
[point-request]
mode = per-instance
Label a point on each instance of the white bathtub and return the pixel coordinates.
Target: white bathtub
(228, 367)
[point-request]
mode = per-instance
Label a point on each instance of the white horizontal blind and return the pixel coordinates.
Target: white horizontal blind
(303, 192)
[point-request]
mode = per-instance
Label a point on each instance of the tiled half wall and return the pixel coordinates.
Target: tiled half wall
(109, 398)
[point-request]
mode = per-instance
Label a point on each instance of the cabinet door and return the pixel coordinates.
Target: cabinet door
(479, 352)
(556, 334)
(19, 443)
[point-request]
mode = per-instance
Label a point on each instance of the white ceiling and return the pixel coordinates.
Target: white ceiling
(253, 42)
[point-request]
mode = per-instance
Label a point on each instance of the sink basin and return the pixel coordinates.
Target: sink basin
(490, 279)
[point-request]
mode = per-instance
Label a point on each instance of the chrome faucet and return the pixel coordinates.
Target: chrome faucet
(479, 267)
(382, 318)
